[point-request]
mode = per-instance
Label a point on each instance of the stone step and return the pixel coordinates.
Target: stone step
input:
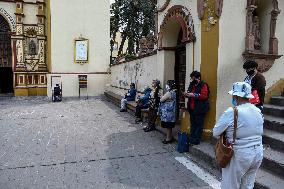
(277, 100)
(277, 111)
(274, 139)
(265, 179)
(274, 123)
(273, 161)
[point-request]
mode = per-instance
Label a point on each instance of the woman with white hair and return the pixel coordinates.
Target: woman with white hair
(247, 146)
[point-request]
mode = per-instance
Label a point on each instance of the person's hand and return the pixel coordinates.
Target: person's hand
(190, 94)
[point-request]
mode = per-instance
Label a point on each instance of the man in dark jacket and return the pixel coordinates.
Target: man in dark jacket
(256, 80)
(198, 106)
(129, 96)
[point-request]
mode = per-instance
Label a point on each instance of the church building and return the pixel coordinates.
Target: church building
(49, 42)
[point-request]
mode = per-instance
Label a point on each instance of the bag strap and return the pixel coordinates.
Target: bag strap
(235, 123)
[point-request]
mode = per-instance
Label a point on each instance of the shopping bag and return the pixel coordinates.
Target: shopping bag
(183, 142)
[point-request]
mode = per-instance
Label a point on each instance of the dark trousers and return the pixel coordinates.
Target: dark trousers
(196, 128)
(139, 107)
(152, 116)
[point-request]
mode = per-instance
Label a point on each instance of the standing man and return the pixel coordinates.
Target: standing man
(198, 106)
(256, 80)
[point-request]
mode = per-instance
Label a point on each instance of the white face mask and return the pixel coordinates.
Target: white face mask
(168, 87)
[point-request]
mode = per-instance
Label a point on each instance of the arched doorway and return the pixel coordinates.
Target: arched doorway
(6, 72)
(175, 34)
(180, 70)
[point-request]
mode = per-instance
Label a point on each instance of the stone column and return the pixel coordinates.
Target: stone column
(250, 39)
(273, 41)
(41, 36)
(19, 37)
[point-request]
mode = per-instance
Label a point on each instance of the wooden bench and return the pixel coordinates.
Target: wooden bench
(131, 105)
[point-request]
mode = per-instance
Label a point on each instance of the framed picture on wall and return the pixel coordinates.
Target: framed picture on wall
(81, 50)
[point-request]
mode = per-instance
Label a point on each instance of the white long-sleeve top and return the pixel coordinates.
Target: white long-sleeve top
(249, 129)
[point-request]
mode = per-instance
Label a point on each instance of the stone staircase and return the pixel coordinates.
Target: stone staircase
(271, 173)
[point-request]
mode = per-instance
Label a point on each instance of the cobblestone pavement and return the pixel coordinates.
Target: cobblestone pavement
(83, 144)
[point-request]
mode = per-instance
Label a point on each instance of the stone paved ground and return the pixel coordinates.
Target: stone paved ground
(83, 144)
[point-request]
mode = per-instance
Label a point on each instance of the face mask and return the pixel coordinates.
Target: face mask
(234, 102)
(194, 82)
(167, 87)
(250, 72)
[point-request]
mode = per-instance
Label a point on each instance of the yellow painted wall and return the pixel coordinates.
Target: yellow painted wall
(21, 92)
(209, 65)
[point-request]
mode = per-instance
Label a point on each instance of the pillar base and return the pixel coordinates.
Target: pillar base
(273, 46)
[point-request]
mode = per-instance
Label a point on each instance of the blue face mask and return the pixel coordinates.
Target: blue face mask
(234, 102)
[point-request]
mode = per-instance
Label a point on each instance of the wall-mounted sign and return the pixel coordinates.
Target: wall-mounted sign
(83, 81)
(81, 50)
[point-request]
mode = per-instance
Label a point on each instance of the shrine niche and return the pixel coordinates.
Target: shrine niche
(32, 47)
(257, 47)
(182, 16)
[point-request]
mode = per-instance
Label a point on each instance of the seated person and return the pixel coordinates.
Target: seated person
(142, 103)
(129, 96)
(57, 90)
(57, 96)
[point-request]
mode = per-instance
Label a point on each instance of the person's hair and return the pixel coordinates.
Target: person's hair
(158, 83)
(250, 64)
(195, 74)
(172, 84)
(133, 85)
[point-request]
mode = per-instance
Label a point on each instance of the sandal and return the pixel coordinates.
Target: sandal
(149, 129)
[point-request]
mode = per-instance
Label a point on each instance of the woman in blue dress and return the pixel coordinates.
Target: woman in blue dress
(167, 110)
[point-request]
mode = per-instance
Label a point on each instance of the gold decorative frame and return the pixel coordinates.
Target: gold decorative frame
(85, 42)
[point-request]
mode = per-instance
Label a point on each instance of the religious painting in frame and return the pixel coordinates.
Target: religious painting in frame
(81, 50)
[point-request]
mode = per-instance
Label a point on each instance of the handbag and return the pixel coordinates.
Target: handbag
(223, 149)
(254, 100)
(183, 142)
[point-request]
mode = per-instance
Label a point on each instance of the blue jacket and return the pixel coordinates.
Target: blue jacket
(146, 97)
(131, 94)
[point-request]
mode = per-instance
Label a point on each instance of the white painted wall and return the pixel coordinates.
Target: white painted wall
(141, 72)
(231, 46)
(71, 19)
(96, 84)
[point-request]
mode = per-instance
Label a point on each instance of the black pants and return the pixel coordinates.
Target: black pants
(196, 128)
(138, 110)
(152, 116)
